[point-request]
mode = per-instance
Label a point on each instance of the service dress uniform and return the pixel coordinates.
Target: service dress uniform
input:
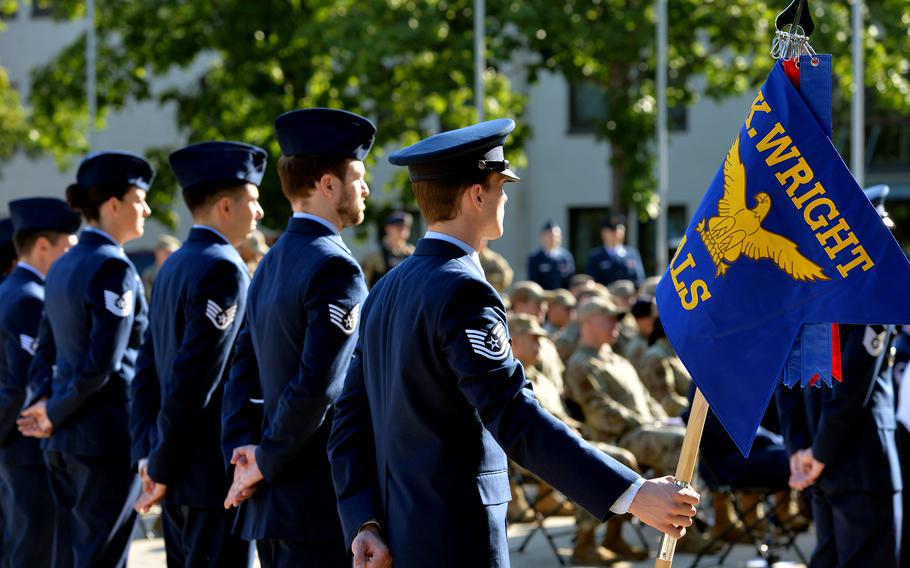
(609, 264)
(198, 305)
(856, 501)
(619, 410)
(96, 308)
(552, 269)
(665, 376)
(302, 313)
(434, 400)
(26, 495)
(6, 249)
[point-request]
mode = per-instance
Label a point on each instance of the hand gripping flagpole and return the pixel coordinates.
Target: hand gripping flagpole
(685, 469)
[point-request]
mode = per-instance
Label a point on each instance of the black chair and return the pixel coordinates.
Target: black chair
(769, 535)
(531, 486)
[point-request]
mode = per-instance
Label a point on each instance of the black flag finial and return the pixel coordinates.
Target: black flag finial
(798, 13)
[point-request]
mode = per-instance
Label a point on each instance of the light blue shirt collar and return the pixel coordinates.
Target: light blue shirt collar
(103, 234)
(214, 230)
(321, 220)
(468, 249)
(26, 266)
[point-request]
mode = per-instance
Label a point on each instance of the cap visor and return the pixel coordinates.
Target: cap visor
(511, 175)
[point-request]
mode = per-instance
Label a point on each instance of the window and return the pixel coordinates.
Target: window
(588, 110)
(587, 107)
(677, 222)
(42, 8)
(584, 232)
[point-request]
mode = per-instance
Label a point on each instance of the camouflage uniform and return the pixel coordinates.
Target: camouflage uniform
(628, 333)
(619, 410)
(665, 376)
(550, 364)
(634, 351)
(566, 340)
(496, 269)
(383, 259)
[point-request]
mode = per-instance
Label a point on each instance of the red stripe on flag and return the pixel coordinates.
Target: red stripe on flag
(792, 71)
(836, 371)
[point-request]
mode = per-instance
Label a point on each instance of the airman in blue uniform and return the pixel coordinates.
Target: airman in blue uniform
(44, 230)
(198, 304)
(302, 313)
(97, 313)
(614, 260)
(551, 266)
(7, 249)
(434, 399)
(842, 448)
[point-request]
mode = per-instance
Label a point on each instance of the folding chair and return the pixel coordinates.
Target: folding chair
(527, 481)
(769, 535)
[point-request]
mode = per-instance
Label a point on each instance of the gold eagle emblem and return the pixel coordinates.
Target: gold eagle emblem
(737, 230)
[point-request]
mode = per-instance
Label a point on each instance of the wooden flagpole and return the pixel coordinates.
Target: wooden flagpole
(685, 469)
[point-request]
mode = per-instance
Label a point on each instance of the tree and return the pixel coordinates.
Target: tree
(14, 133)
(405, 62)
(725, 43)
(400, 63)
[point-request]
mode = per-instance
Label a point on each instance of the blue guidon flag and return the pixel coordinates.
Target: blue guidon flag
(783, 237)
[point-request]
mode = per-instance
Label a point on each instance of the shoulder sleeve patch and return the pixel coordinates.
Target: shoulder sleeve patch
(28, 344)
(345, 319)
(220, 318)
(121, 305)
(492, 344)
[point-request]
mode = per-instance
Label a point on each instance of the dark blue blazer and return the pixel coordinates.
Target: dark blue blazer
(97, 312)
(302, 311)
(850, 427)
(551, 271)
(197, 307)
(21, 308)
(607, 266)
(432, 404)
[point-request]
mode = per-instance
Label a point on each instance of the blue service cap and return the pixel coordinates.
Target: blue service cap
(99, 168)
(399, 218)
(6, 231)
(549, 226)
(208, 162)
(613, 221)
(877, 194)
(325, 131)
(44, 214)
(457, 152)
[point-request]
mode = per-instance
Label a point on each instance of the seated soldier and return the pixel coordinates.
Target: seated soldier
(664, 374)
(529, 298)
(643, 311)
(560, 310)
(616, 405)
(526, 334)
(566, 339)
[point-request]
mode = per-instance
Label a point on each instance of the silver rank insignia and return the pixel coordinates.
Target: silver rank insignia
(121, 305)
(492, 344)
(220, 318)
(346, 320)
(873, 342)
(28, 344)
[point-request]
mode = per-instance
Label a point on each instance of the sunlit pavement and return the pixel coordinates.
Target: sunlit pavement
(149, 553)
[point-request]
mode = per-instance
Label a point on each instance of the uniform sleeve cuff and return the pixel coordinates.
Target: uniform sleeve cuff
(622, 504)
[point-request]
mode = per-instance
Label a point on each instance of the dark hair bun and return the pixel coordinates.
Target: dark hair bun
(76, 196)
